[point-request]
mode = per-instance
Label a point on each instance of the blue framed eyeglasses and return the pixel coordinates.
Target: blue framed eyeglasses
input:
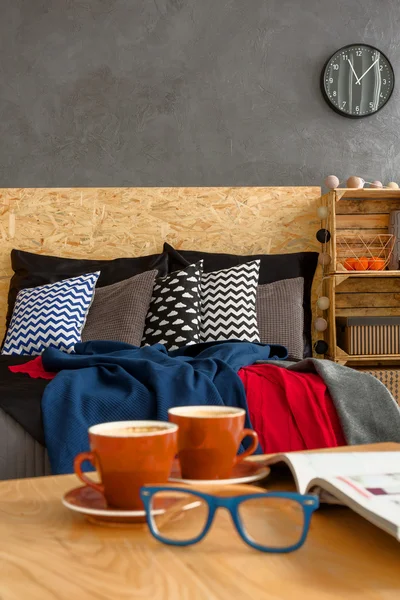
(266, 521)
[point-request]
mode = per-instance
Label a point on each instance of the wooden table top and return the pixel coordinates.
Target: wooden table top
(47, 553)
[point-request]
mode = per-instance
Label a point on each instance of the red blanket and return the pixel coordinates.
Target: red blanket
(34, 368)
(289, 410)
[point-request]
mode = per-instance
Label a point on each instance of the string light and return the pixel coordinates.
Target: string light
(321, 347)
(355, 182)
(332, 182)
(321, 324)
(324, 259)
(323, 303)
(322, 212)
(323, 235)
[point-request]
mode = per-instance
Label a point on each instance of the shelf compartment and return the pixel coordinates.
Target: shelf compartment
(365, 285)
(369, 336)
(366, 193)
(369, 206)
(361, 212)
(353, 246)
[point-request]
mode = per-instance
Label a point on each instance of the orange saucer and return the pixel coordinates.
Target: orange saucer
(244, 472)
(93, 506)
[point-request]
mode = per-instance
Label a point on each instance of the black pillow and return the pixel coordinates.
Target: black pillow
(175, 312)
(32, 270)
(273, 267)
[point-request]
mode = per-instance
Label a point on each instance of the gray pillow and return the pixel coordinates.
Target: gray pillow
(118, 312)
(280, 314)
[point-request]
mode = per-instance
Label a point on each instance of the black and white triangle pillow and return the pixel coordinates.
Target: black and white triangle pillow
(174, 313)
(228, 304)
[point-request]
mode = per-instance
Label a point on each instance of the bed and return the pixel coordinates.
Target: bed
(129, 222)
(21, 455)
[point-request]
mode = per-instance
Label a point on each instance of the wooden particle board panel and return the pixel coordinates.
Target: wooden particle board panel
(115, 222)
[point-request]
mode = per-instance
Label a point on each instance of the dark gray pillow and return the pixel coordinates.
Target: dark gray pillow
(118, 312)
(280, 314)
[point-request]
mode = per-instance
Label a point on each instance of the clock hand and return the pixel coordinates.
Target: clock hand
(352, 68)
(374, 63)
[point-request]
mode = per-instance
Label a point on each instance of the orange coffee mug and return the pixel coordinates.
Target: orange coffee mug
(127, 455)
(209, 438)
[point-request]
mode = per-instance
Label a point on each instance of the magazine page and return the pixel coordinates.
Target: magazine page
(309, 465)
(375, 496)
(300, 467)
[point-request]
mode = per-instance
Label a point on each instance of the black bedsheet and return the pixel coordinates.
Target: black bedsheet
(21, 395)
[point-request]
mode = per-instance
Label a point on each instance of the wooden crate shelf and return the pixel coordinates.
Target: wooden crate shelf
(359, 293)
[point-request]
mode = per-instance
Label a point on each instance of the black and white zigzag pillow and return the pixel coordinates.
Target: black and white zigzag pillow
(174, 313)
(228, 304)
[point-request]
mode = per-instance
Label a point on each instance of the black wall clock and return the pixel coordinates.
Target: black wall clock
(357, 81)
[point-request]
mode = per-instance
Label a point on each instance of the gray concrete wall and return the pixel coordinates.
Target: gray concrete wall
(187, 92)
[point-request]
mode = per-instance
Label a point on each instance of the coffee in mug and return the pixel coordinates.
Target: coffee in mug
(208, 440)
(209, 413)
(130, 431)
(127, 455)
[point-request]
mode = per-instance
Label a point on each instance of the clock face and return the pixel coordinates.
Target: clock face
(357, 81)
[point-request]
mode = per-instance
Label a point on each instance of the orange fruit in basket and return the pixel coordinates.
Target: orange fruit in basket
(361, 264)
(349, 264)
(376, 264)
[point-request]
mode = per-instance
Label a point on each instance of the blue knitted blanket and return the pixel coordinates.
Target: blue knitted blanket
(113, 381)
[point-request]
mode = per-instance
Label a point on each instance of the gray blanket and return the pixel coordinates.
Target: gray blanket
(367, 410)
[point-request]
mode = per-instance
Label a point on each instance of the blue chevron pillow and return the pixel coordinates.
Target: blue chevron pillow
(51, 315)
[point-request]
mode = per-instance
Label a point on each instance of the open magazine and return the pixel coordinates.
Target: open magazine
(366, 482)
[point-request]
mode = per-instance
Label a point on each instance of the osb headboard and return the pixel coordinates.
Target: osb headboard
(113, 222)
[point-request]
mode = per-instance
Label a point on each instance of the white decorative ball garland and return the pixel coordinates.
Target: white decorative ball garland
(332, 183)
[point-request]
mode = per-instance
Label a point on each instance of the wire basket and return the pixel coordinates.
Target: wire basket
(370, 252)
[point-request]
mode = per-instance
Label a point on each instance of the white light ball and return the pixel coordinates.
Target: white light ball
(323, 303)
(377, 184)
(332, 182)
(322, 212)
(355, 182)
(324, 259)
(321, 324)
(393, 185)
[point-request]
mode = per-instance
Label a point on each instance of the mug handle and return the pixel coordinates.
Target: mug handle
(251, 449)
(78, 460)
